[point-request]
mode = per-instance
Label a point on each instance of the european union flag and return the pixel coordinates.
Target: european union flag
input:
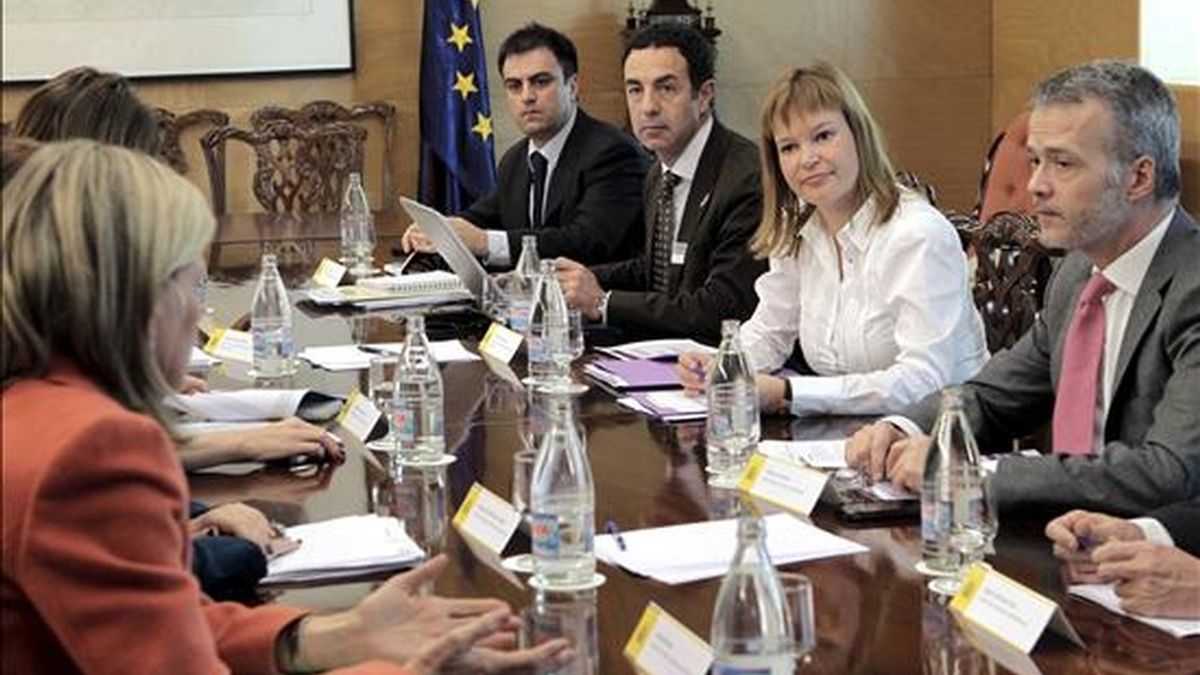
(457, 160)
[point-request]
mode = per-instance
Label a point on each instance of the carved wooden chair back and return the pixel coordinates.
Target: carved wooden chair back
(298, 169)
(322, 112)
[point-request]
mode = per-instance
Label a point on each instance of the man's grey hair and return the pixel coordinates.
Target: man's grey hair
(1147, 120)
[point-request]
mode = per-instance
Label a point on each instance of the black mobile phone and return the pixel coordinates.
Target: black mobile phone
(864, 511)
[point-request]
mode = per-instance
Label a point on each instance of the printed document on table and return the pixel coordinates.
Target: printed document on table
(248, 405)
(352, 357)
(346, 546)
(683, 553)
(817, 454)
(1105, 595)
(668, 348)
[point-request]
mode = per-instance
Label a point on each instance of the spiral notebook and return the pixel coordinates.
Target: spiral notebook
(424, 288)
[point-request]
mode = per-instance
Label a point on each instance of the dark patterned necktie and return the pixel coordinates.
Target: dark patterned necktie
(664, 230)
(537, 179)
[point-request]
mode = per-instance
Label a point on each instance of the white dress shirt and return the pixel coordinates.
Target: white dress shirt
(896, 324)
(685, 167)
(499, 254)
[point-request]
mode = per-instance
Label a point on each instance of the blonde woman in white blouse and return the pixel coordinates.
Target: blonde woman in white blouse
(866, 275)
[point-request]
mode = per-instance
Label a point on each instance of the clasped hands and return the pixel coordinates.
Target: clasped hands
(1150, 578)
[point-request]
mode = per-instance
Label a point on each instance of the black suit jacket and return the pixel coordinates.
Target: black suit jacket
(716, 279)
(593, 209)
(1182, 520)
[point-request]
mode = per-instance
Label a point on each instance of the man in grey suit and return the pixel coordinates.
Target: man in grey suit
(1117, 372)
(703, 202)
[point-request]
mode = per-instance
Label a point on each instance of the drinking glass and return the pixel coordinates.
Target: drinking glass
(564, 354)
(798, 601)
(970, 539)
(522, 479)
(381, 380)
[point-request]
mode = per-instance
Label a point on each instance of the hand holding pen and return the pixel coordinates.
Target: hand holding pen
(692, 369)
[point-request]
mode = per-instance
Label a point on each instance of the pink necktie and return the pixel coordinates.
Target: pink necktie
(1083, 353)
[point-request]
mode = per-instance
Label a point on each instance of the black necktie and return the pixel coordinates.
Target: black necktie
(537, 180)
(664, 230)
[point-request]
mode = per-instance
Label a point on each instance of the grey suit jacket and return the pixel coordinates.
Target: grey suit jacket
(716, 279)
(1151, 455)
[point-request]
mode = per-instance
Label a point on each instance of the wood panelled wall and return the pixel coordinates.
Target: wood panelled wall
(941, 76)
(1032, 39)
(923, 65)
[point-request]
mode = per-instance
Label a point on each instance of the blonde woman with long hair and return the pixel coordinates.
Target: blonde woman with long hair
(102, 250)
(865, 276)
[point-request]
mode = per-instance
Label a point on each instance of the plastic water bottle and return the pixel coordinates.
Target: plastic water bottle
(952, 501)
(524, 285)
(751, 628)
(732, 429)
(418, 408)
(271, 324)
(548, 329)
(358, 228)
(562, 504)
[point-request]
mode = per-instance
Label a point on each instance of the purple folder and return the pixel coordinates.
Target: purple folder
(632, 374)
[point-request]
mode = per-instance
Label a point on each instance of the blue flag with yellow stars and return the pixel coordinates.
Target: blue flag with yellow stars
(457, 160)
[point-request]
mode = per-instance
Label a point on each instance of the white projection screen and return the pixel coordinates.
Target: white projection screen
(169, 38)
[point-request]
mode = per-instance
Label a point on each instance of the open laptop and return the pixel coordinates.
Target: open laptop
(450, 246)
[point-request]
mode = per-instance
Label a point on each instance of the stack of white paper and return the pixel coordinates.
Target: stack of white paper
(683, 553)
(200, 360)
(351, 357)
(341, 547)
(667, 348)
(817, 454)
(1105, 595)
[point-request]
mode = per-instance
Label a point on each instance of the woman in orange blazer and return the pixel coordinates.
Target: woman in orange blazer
(103, 249)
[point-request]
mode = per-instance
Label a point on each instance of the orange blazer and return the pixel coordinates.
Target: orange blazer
(95, 548)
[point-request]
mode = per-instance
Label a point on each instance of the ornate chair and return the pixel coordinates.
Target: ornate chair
(1012, 269)
(172, 126)
(324, 112)
(298, 169)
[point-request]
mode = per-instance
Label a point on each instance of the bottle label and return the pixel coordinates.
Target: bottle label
(726, 669)
(537, 352)
(404, 424)
(543, 528)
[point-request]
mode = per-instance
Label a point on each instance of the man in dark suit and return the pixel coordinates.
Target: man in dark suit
(1113, 361)
(703, 203)
(1153, 560)
(573, 182)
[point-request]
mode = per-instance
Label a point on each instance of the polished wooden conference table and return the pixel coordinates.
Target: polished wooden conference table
(872, 612)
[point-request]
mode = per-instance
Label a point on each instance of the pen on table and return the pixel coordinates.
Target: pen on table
(370, 349)
(404, 265)
(611, 528)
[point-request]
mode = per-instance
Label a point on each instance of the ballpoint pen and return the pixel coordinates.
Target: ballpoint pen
(611, 528)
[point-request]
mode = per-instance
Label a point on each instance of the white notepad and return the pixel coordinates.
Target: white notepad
(683, 553)
(348, 546)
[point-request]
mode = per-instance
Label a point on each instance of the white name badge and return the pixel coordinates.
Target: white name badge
(500, 343)
(783, 482)
(234, 345)
(487, 518)
(359, 415)
(329, 273)
(678, 252)
(1007, 610)
(661, 645)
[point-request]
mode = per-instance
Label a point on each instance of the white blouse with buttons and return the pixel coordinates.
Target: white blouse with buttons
(895, 324)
